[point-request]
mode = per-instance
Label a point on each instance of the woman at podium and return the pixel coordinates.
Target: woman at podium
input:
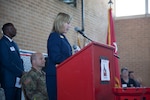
(58, 49)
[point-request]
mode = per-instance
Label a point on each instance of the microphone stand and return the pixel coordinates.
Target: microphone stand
(87, 37)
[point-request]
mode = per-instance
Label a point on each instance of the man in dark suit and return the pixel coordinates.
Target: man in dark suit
(11, 65)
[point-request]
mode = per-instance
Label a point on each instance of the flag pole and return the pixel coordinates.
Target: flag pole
(111, 40)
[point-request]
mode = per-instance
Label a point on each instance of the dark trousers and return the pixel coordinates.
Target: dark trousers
(12, 93)
(51, 87)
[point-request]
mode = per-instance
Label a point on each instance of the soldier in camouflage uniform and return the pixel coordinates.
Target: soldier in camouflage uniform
(34, 81)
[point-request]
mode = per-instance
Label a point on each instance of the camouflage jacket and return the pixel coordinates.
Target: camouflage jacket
(34, 85)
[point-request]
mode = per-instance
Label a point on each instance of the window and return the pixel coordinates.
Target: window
(148, 6)
(70, 2)
(132, 7)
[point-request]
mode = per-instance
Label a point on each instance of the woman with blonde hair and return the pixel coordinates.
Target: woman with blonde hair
(58, 49)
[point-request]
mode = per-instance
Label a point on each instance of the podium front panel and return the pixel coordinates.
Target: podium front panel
(103, 89)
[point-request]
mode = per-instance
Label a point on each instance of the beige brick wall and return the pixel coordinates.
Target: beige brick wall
(133, 38)
(34, 18)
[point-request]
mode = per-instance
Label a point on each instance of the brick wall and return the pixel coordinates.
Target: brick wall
(133, 38)
(34, 18)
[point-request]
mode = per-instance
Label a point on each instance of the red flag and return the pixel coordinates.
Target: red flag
(111, 40)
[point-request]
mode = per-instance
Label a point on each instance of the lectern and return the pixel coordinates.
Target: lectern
(88, 74)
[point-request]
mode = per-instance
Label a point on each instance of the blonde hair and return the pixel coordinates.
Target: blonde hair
(59, 21)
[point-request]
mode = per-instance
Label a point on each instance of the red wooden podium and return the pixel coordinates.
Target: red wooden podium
(79, 77)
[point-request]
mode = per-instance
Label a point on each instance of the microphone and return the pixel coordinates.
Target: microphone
(78, 30)
(82, 33)
(116, 56)
(76, 48)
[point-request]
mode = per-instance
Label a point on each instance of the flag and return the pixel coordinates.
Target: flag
(78, 41)
(111, 40)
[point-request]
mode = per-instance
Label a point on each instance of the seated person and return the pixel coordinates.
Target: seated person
(125, 80)
(34, 81)
(132, 76)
